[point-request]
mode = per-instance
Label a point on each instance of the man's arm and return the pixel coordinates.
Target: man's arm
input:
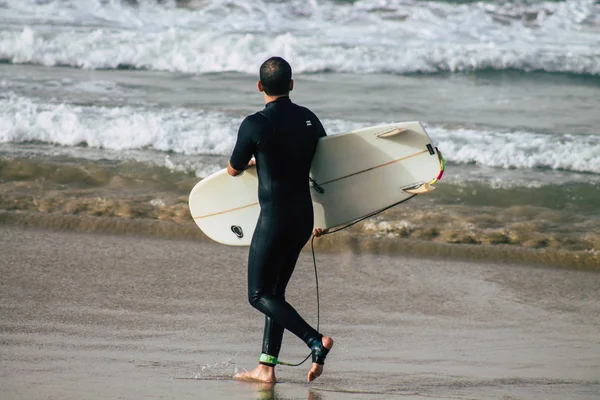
(241, 158)
(320, 128)
(317, 125)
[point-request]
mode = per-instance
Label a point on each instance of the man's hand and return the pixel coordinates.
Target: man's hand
(320, 232)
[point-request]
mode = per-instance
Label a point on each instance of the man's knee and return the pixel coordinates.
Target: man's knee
(263, 300)
(254, 298)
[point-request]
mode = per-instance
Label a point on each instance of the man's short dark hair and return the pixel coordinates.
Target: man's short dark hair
(276, 75)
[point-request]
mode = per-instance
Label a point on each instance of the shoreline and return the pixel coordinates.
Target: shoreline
(458, 222)
(342, 242)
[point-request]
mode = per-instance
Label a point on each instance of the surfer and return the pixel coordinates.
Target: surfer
(282, 138)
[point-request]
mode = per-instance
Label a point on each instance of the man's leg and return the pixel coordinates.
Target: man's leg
(271, 261)
(262, 244)
(272, 338)
(272, 258)
(273, 334)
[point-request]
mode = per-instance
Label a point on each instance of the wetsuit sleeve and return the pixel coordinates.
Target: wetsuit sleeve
(320, 128)
(245, 145)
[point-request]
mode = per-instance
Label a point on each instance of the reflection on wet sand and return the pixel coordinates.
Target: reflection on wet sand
(268, 391)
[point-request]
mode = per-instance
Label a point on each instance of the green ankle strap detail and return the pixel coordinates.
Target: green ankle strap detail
(268, 359)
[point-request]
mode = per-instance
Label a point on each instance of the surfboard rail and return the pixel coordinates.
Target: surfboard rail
(442, 167)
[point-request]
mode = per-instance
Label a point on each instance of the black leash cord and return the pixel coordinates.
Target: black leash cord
(312, 247)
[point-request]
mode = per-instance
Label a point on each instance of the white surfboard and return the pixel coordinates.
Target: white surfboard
(353, 175)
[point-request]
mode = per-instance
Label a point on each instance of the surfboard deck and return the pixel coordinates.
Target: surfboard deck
(353, 174)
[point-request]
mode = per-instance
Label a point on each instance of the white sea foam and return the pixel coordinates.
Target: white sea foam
(122, 128)
(519, 150)
(389, 36)
(186, 132)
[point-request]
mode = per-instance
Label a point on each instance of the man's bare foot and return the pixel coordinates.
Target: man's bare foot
(317, 369)
(262, 373)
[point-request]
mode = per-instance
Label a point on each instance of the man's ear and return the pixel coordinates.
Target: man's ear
(260, 87)
(291, 85)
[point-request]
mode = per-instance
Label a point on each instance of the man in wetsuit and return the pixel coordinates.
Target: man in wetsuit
(282, 138)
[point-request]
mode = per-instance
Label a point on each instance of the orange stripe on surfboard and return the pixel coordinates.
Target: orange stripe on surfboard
(226, 211)
(375, 167)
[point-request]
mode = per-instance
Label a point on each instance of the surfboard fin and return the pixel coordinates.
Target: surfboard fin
(390, 133)
(419, 188)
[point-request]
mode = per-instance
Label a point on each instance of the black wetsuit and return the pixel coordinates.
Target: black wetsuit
(283, 138)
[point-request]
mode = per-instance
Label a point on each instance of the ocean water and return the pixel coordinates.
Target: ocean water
(508, 90)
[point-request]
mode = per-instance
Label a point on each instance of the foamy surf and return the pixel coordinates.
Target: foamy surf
(119, 128)
(193, 132)
(396, 36)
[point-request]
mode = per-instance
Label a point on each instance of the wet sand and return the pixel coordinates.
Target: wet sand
(98, 316)
(506, 225)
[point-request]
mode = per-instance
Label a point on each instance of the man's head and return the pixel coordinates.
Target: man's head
(276, 77)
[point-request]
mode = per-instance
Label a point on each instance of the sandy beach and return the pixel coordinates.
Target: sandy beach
(109, 316)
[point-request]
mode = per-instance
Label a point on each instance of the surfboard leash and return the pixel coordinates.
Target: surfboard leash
(312, 248)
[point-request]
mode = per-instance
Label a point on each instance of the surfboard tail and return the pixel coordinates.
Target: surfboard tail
(425, 187)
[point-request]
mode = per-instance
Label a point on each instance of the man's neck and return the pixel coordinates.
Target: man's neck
(269, 99)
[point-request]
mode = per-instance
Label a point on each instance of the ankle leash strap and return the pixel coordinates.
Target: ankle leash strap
(265, 358)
